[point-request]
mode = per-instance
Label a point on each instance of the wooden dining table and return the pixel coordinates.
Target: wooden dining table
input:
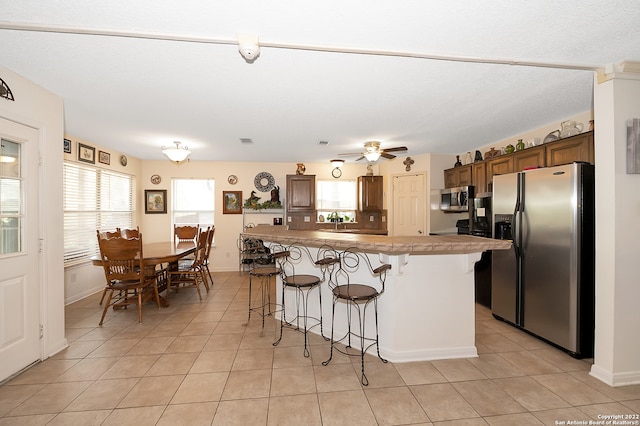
(159, 253)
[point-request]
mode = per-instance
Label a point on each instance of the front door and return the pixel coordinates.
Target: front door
(408, 205)
(19, 248)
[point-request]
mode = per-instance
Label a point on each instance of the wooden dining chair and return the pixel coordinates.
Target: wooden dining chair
(130, 233)
(207, 253)
(107, 234)
(185, 233)
(122, 260)
(190, 274)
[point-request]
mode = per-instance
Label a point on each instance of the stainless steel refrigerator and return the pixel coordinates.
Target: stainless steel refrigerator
(545, 284)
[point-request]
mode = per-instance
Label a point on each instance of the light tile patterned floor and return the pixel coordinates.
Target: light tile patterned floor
(200, 364)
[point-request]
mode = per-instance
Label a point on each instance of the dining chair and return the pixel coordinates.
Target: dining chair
(123, 264)
(185, 232)
(191, 274)
(207, 253)
(130, 233)
(107, 234)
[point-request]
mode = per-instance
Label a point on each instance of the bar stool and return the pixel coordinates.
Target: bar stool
(264, 273)
(302, 284)
(356, 297)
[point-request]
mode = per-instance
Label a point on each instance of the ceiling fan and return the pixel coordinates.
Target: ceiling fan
(372, 152)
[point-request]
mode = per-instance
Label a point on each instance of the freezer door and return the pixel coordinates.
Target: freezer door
(504, 279)
(550, 230)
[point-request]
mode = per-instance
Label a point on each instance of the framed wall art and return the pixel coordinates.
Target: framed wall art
(86, 153)
(231, 202)
(67, 146)
(104, 157)
(155, 201)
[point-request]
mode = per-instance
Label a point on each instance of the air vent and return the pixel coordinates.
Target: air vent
(323, 143)
(246, 141)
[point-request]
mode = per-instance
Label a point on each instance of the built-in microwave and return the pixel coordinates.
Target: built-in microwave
(456, 199)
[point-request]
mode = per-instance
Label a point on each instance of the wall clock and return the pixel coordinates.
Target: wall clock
(156, 179)
(123, 160)
(232, 179)
(264, 182)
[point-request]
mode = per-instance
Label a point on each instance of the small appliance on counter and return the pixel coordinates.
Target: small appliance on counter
(463, 227)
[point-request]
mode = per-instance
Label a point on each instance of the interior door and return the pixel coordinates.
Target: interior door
(19, 248)
(408, 204)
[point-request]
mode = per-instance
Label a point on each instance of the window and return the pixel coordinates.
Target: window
(10, 198)
(93, 199)
(337, 198)
(193, 202)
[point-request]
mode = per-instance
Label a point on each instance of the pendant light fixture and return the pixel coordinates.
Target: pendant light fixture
(176, 154)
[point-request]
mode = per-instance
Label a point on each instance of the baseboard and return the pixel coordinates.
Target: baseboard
(615, 379)
(83, 294)
(429, 354)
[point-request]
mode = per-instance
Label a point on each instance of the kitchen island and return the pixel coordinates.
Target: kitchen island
(427, 311)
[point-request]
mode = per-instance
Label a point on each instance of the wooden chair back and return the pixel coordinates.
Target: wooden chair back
(185, 233)
(130, 233)
(122, 259)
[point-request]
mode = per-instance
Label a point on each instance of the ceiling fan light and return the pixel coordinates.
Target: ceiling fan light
(372, 156)
(176, 154)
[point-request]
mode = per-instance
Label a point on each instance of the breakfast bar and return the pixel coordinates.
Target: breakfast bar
(427, 311)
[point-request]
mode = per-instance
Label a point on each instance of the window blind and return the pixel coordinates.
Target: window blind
(94, 199)
(193, 202)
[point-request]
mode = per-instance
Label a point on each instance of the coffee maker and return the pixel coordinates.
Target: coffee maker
(480, 215)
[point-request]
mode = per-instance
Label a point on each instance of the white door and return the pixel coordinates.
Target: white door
(408, 204)
(19, 248)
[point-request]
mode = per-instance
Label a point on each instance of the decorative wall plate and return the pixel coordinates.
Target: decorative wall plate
(123, 160)
(232, 179)
(156, 179)
(264, 182)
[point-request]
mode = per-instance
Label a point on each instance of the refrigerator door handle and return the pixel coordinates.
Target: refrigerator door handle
(514, 225)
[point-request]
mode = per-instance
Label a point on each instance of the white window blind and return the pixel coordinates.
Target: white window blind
(94, 199)
(193, 202)
(336, 196)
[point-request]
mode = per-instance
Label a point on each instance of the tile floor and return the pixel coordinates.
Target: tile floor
(200, 364)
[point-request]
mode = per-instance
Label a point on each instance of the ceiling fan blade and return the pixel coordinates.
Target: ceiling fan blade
(350, 154)
(396, 149)
(385, 155)
(360, 158)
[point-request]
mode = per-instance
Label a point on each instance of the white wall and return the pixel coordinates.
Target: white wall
(42, 110)
(617, 346)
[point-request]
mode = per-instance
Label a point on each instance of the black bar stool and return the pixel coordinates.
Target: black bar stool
(263, 269)
(303, 284)
(356, 297)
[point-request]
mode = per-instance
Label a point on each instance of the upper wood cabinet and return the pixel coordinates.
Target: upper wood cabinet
(575, 148)
(564, 151)
(479, 172)
(370, 193)
(458, 176)
(301, 193)
(531, 157)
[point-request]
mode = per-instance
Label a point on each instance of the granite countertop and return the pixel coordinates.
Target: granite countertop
(432, 244)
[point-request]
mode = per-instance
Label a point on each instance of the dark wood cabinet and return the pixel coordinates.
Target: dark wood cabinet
(479, 170)
(301, 193)
(370, 193)
(563, 151)
(568, 150)
(531, 157)
(457, 176)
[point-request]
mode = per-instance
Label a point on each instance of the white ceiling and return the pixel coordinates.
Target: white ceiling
(145, 88)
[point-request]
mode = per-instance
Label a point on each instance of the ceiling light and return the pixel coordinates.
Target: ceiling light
(176, 154)
(336, 164)
(372, 156)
